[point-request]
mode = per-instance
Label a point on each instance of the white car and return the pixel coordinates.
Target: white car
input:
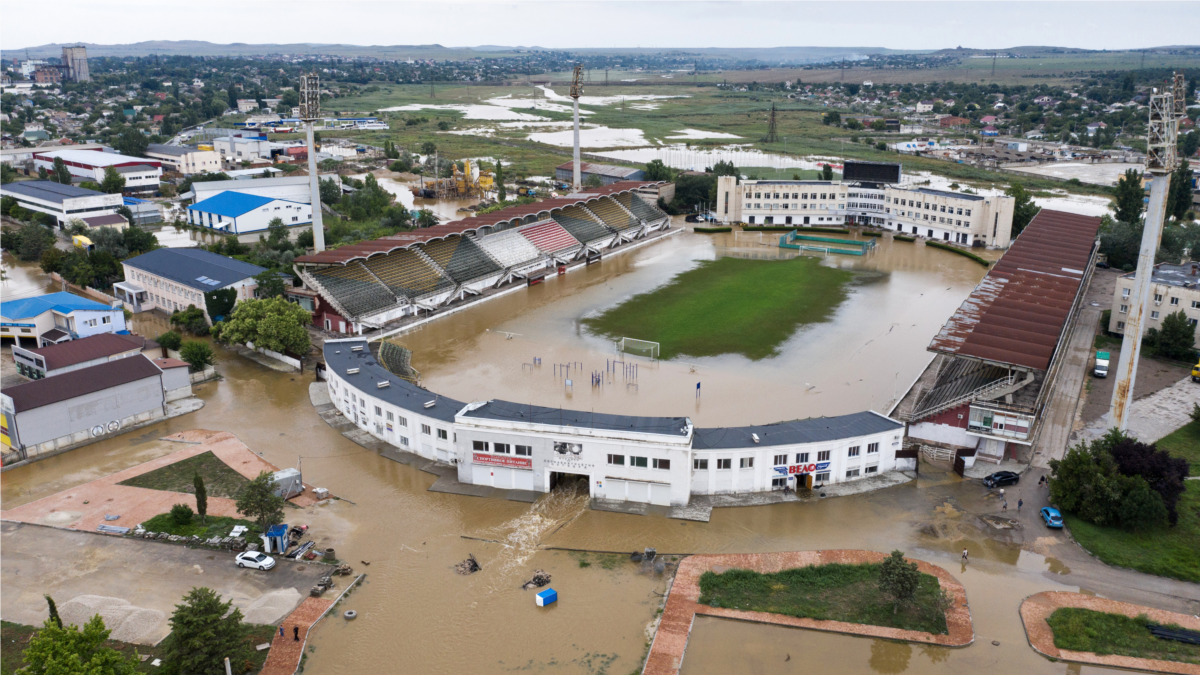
(255, 560)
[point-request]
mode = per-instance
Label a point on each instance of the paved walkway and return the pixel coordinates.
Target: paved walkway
(286, 650)
(670, 642)
(1037, 608)
(1063, 403)
(1154, 416)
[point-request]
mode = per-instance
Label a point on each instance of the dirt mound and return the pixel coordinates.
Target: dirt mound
(128, 622)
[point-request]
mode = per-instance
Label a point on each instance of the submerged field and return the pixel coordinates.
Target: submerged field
(729, 306)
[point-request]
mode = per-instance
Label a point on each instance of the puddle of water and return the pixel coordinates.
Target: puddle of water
(1083, 205)
(1035, 562)
(173, 237)
(1098, 174)
(23, 279)
(605, 100)
(444, 209)
(692, 134)
(682, 157)
(596, 137)
(470, 112)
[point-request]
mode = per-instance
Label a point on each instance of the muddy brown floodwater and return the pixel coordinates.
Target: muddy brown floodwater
(416, 615)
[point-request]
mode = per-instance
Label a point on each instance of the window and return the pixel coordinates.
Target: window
(442, 434)
(823, 456)
(426, 430)
(780, 460)
(616, 460)
(525, 450)
(853, 451)
(726, 463)
(968, 212)
(389, 416)
(779, 482)
(502, 448)
(664, 464)
(479, 446)
(700, 464)
(852, 473)
(1124, 309)
(1153, 315)
(872, 448)
(1196, 304)
(802, 458)
(378, 411)
(1124, 292)
(404, 440)
(403, 421)
(822, 477)
(1120, 325)
(1158, 297)
(637, 461)
(871, 469)
(1175, 301)
(108, 319)
(747, 463)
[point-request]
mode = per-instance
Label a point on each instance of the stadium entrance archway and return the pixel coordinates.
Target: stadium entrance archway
(562, 480)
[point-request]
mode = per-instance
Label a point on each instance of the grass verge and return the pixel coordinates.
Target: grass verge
(789, 228)
(16, 636)
(1184, 442)
(214, 526)
(729, 306)
(834, 592)
(1167, 552)
(959, 251)
(711, 230)
(219, 479)
(1086, 630)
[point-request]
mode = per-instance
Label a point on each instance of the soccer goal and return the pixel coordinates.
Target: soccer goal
(638, 347)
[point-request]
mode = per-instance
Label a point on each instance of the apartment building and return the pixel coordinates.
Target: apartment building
(1176, 289)
(171, 279)
(184, 159)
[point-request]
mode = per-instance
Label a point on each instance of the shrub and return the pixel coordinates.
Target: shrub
(182, 514)
(170, 340)
(959, 251)
(712, 230)
(191, 319)
(197, 354)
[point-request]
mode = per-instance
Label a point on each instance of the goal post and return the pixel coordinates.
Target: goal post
(637, 347)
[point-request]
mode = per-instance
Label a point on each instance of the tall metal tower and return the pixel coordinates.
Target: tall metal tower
(576, 92)
(1166, 109)
(771, 136)
(310, 112)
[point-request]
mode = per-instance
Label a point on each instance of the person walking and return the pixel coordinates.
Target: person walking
(1004, 506)
(965, 557)
(296, 633)
(280, 630)
(1020, 503)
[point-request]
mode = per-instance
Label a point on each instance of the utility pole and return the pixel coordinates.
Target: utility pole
(310, 110)
(993, 64)
(431, 89)
(1166, 108)
(843, 69)
(772, 136)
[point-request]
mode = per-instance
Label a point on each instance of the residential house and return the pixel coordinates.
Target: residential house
(58, 317)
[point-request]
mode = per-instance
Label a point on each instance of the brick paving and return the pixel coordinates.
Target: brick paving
(284, 657)
(670, 642)
(84, 507)
(1038, 607)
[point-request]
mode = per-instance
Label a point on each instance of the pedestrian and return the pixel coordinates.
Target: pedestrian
(296, 633)
(1020, 503)
(1004, 507)
(965, 557)
(280, 630)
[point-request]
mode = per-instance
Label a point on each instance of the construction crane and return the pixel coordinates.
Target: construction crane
(576, 92)
(1166, 109)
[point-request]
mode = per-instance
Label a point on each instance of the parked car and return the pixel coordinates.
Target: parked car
(1052, 517)
(1001, 478)
(255, 560)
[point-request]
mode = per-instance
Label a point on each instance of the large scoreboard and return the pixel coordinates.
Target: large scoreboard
(870, 172)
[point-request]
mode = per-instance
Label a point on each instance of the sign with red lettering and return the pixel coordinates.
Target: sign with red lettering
(502, 460)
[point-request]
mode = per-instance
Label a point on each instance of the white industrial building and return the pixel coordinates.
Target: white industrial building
(141, 175)
(64, 202)
(239, 213)
(236, 149)
(184, 159)
(656, 460)
(291, 188)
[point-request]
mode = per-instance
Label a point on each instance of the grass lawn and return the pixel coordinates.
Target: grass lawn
(1169, 552)
(16, 638)
(834, 592)
(1085, 630)
(219, 479)
(1184, 442)
(215, 526)
(729, 306)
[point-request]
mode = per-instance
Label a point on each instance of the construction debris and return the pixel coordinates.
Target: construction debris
(540, 578)
(468, 566)
(343, 570)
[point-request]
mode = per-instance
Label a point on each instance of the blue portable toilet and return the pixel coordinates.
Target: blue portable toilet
(546, 597)
(276, 539)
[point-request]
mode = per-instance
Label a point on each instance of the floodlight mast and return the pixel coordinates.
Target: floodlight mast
(1166, 108)
(310, 111)
(576, 91)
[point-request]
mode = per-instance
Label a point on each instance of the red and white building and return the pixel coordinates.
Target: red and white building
(141, 175)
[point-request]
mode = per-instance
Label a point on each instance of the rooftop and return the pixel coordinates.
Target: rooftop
(90, 157)
(194, 268)
(173, 150)
(47, 190)
(62, 302)
(602, 169)
(339, 357)
(947, 193)
(50, 390)
(1180, 276)
(533, 414)
(69, 353)
(135, 168)
(232, 204)
(106, 221)
(812, 430)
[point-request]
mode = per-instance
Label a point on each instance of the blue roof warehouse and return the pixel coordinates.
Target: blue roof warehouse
(239, 213)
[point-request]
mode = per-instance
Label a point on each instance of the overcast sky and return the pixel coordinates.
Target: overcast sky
(897, 25)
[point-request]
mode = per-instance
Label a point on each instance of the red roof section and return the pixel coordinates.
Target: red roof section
(86, 349)
(1017, 313)
(385, 245)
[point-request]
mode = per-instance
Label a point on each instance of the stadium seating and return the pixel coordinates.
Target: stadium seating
(612, 214)
(639, 207)
(549, 237)
(406, 273)
(355, 289)
(510, 248)
(461, 258)
(581, 225)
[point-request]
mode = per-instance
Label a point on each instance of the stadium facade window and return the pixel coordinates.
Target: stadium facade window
(874, 468)
(822, 477)
(746, 463)
(443, 434)
(853, 452)
(525, 450)
(378, 411)
(402, 421)
(426, 429)
(616, 460)
(852, 473)
(404, 441)
(802, 458)
(700, 464)
(823, 456)
(502, 448)
(479, 446)
(780, 460)
(638, 462)
(725, 463)
(389, 416)
(872, 448)
(663, 464)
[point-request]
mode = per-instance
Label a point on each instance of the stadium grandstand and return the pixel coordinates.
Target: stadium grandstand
(373, 283)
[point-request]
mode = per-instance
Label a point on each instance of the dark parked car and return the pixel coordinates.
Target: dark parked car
(1001, 478)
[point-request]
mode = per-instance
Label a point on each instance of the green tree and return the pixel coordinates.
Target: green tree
(501, 194)
(656, 170)
(270, 284)
(55, 650)
(827, 172)
(137, 240)
(52, 260)
(274, 324)
(1191, 143)
(201, 497)
(197, 354)
(259, 502)
(1023, 207)
(1175, 339)
(593, 181)
(899, 579)
(113, 182)
(61, 173)
(331, 191)
(1130, 197)
(219, 303)
(53, 608)
(182, 514)
(832, 117)
(1179, 195)
(131, 142)
(428, 148)
(426, 218)
(171, 340)
(204, 632)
